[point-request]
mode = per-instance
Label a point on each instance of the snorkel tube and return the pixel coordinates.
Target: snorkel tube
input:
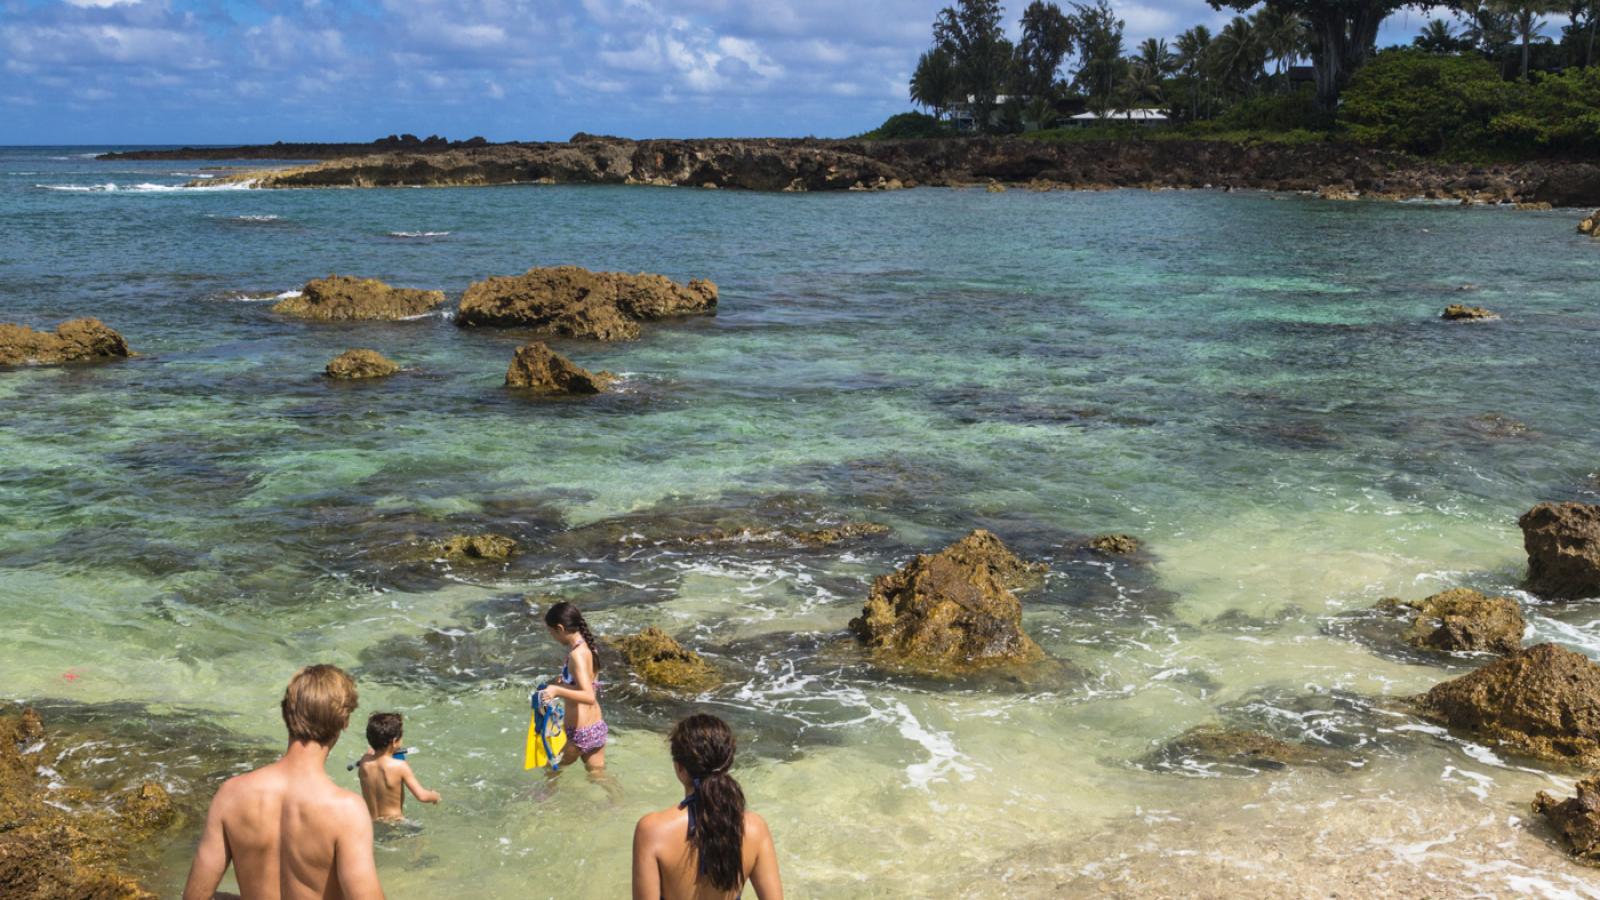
(542, 711)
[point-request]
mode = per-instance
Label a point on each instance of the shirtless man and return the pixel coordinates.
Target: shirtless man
(384, 777)
(288, 830)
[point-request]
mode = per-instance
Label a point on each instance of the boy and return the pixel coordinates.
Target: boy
(384, 778)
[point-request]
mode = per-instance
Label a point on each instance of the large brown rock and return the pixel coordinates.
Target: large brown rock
(1563, 544)
(344, 298)
(951, 612)
(353, 365)
(1576, 819)
(1462, 619)
(663, 662)
(575, 302)
(73, 341)
(537, 368)
(1543, 701)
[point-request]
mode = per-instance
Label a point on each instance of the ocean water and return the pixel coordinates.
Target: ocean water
(1255, 385)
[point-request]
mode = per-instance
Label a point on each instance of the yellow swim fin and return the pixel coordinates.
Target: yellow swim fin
(546, 738)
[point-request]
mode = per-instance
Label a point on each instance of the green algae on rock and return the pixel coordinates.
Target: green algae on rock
(1206, 748)
(664, 663)
(951, 612)
(77, 340)
(538, 369)
(1461, 619)
(487, 547)
(354, 365)
(346, 298)
(575, 302)
(1563, 545)
(1114, 544)
(1542, 702)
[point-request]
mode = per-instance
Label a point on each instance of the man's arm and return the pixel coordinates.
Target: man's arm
(764, 877)
(211, 858)
(353, 862)
(646, 874)
(409, 778)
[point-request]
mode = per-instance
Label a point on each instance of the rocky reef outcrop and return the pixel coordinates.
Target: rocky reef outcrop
(1542, 702)
(1576, 819)
(1460, 312)
(486, 547)
(1461, 619)
(1563, 544)
(538, 369)
(1114, 544)
(662, 662)
(346, 298)
(63, 841)
(354, 365)
(951, 612)
(575, 302)
(1208, 749)
(77, 340)
(822, 536)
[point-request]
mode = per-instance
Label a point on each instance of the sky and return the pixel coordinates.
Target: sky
(244, 71)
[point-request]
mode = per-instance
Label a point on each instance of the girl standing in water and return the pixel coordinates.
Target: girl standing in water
(580, 688)
(707, 847)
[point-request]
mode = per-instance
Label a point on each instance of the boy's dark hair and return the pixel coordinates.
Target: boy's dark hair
(383, 729)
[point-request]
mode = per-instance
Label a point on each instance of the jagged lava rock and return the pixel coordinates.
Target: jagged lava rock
(1462, 619)
(951, 612)
(1563, 544)
(1114, 544)
(357, 364)
(1460, 312)
(575, 302)
(538, 369)
(76, 340)
(1543, 701)
(663, 662)
(345, 298)
(492, 547)
(1576, 819)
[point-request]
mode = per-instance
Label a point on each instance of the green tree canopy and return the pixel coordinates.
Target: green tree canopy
(971, 33)
(1344, 34)
(1047, 36)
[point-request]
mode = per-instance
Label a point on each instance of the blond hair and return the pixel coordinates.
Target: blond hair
(318, 703)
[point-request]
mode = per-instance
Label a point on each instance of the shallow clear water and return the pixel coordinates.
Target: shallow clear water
(1255, 385)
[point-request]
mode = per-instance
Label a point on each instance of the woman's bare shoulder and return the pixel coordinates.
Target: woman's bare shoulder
(658, 822)
(755, 826)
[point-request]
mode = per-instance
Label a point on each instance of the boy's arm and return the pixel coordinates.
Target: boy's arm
(354, 864)
(211, 858)
(417, 790)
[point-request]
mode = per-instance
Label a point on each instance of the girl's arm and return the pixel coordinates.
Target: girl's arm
(582, 662)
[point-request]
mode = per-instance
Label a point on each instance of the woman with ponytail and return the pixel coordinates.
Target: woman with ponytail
(579, 687)
(709, 846)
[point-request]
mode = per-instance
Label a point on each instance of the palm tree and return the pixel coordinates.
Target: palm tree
(1437, 37)
(1155, 56)
(1491, 31)
(1194, 46)
(1283, 37)
(1238, 55)
(934, 83)
(1525, 22)
(1041, 112)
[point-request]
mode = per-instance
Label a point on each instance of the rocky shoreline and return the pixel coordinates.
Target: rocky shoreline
(1335, 171)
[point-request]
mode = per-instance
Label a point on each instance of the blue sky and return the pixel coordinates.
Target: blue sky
(215, 71)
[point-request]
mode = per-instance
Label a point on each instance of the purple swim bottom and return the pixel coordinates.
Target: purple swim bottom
(590, 738)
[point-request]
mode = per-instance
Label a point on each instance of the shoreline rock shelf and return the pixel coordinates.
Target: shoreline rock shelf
(952, 612)
(345, 298)
(76, 340)
(574, 302)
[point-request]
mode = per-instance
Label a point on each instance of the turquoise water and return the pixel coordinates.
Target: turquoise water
(1255, 385)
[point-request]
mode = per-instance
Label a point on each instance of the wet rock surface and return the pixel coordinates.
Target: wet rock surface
(1460, 312)
(539, 370)
(660, 661)
(1563, 545)
(1214, 749)
(1115, 544)
(575, 302)
(1542, 702)
(354, 365)
(951, 612)
(478, 547)
(345, 298)
(1461, 619)
(77, 340)
(1576, 819)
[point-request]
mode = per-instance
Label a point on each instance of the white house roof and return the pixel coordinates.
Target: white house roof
(1136, 115)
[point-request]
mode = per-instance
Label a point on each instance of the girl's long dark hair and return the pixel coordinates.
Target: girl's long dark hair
(566, 615)
(703, 745)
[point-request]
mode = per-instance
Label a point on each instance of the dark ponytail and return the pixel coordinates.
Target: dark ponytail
(566, 615)
(703, 746)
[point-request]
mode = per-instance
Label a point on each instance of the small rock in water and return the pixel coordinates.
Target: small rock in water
(1576, 819)
(663, 662)
(73, 341)
(540, 370)
(1460, 312)
(344, 298)
(1462, 619)
(1563, 544)
(575, 302)
(1237, 749)
(1543, 702)
(357, 364)
(1114, 544)
(493, 547)
(1590, 224)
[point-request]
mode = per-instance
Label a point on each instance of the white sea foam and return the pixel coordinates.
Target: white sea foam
(262, 218)
(143, 187)
(417, 234)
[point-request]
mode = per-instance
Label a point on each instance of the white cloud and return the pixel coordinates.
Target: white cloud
(101, 4)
